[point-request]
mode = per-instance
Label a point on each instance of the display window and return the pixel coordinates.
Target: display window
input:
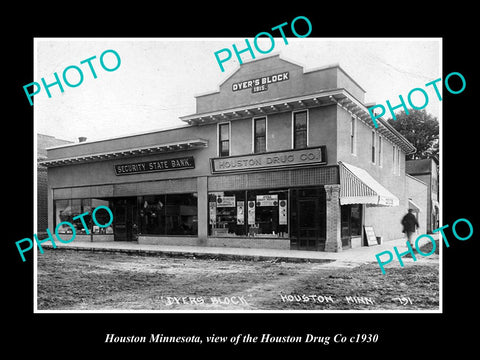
(174, 214)
(252, 213)
(63, 212)
(227, 213)
(66, 210)
(101, 216)
(152, 214)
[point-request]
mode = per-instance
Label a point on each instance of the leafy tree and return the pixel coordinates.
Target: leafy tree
(421, 129)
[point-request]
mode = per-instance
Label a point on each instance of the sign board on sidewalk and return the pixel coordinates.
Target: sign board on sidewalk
(370, 236)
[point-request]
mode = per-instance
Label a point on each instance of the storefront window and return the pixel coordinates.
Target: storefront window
(152, 214)
(66, 210)
(260, 213)
(168, 214)
(356, 220)
(181, 214)
(63, 212)
(227, 213)
(101, 216)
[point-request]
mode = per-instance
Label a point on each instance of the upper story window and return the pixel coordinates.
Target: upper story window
(394, 159)
(353, 139)
(373, 147)
(260, 135)
(300, 130)
(224, 139)
(398, 160)
(380, 150)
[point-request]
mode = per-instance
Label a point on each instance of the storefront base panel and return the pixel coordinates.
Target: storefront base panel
(356, 241)
(168, 240)
(216, 242)
(94, 238)
(256, 243)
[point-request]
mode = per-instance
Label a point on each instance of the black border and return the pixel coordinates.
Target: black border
(61, 335)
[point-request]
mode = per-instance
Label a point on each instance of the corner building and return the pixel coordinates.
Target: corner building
(278, 157)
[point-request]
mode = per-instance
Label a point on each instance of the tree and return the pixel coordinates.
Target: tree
(421, 129)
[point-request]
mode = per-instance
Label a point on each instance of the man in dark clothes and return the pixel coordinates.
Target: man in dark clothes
(410, 225)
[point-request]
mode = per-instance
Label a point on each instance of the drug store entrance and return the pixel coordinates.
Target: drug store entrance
(308, 219)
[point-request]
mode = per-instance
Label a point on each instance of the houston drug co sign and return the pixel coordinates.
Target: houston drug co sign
(310, 156)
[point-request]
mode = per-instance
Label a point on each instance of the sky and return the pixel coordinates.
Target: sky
(158, 78)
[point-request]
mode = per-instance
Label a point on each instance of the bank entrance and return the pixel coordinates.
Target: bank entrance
(125, 219)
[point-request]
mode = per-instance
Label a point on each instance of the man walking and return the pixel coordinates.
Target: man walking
(410, 225)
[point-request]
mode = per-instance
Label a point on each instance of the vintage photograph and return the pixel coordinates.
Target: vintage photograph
(168, 183)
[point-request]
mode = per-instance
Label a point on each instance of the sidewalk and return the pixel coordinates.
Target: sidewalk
(345, 258)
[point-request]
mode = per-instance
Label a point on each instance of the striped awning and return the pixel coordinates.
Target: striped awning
(413, 206)
(357, 186)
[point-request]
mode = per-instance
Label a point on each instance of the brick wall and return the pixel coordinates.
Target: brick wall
(333, 241)
(42, 199)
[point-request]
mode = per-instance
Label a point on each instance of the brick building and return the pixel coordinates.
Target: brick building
(278, 157)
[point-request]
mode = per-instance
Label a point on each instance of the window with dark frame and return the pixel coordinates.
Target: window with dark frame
(260, 134)
(300, 130)
(394, 160)
(398, 160)
(352, 136)
(373, 147)
(380, 155)
(224, 140)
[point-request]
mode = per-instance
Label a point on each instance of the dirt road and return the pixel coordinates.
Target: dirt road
(78, 280)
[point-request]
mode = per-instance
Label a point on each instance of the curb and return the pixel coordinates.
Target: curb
(193, 255)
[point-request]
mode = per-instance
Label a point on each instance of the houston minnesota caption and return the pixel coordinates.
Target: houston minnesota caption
(244, 338)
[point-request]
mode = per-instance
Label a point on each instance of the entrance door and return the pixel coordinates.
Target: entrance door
(307, 224)
(345, 227)
(307, 219)
(124, 218)
(351, 224)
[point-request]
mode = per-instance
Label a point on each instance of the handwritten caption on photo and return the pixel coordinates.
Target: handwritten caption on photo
(293, 299)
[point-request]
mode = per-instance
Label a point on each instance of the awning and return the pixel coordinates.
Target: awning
(123, 153)
(413, 206)
(357, 186)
